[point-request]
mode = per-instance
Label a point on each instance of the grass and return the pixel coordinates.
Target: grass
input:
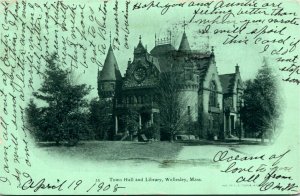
(111, 150)
(162, 152)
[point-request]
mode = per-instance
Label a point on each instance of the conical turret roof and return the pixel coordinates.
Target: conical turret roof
(184, 44)
(110, 70)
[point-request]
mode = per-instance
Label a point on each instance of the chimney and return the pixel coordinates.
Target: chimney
(237, 68)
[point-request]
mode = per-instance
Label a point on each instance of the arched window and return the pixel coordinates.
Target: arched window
(239, 92)
(213, 94)
(189, 110)
(134, 99)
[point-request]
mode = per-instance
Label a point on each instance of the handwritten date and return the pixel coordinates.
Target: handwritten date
(62, 185)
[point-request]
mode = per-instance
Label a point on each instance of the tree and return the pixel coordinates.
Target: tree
(34, 117)
(64, 114)
(171, 102)
(152, 132)
(261, 109)
(100, 118)
(130, 121)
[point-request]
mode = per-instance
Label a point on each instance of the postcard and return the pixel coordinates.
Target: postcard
(149, 97)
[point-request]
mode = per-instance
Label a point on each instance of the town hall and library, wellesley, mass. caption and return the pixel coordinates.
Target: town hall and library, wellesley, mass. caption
(182, 82)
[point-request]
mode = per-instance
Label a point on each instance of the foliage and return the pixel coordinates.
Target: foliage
(63, 115)
(152, 132)
(34, 118)
(130, 120)
(172, 118)
(192, 126)
(100, 118)
(261, 108)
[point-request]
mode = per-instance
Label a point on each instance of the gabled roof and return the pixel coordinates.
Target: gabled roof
(184, 44)
(110, 70)
(140, 48)
(141, 55)
(228, 82)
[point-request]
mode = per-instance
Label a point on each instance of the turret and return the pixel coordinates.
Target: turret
(184, 44)
(109, 77)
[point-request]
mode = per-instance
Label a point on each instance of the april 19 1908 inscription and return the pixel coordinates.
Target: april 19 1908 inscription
(149, 97)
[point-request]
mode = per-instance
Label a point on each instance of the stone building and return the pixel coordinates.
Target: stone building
(232, 95)
(209, 100)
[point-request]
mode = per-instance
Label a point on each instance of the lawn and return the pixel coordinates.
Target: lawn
(117, 150)
(163, 153)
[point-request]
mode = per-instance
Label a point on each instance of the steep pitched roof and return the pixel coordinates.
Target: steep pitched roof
(227, 82)
(163, 54)
(162, 49)
(184, 44)
(140, 53)
(110, 70)
(140, 48)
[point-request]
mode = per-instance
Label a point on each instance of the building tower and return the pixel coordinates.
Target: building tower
(109, 86)
(189, 84)
(109, 78)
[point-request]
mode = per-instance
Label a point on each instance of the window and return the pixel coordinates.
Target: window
(232, 122)
(134, 99)
(189, 110)
(213, 95)
(188, 74)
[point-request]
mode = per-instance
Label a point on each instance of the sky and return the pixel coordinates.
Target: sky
(148, 24)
